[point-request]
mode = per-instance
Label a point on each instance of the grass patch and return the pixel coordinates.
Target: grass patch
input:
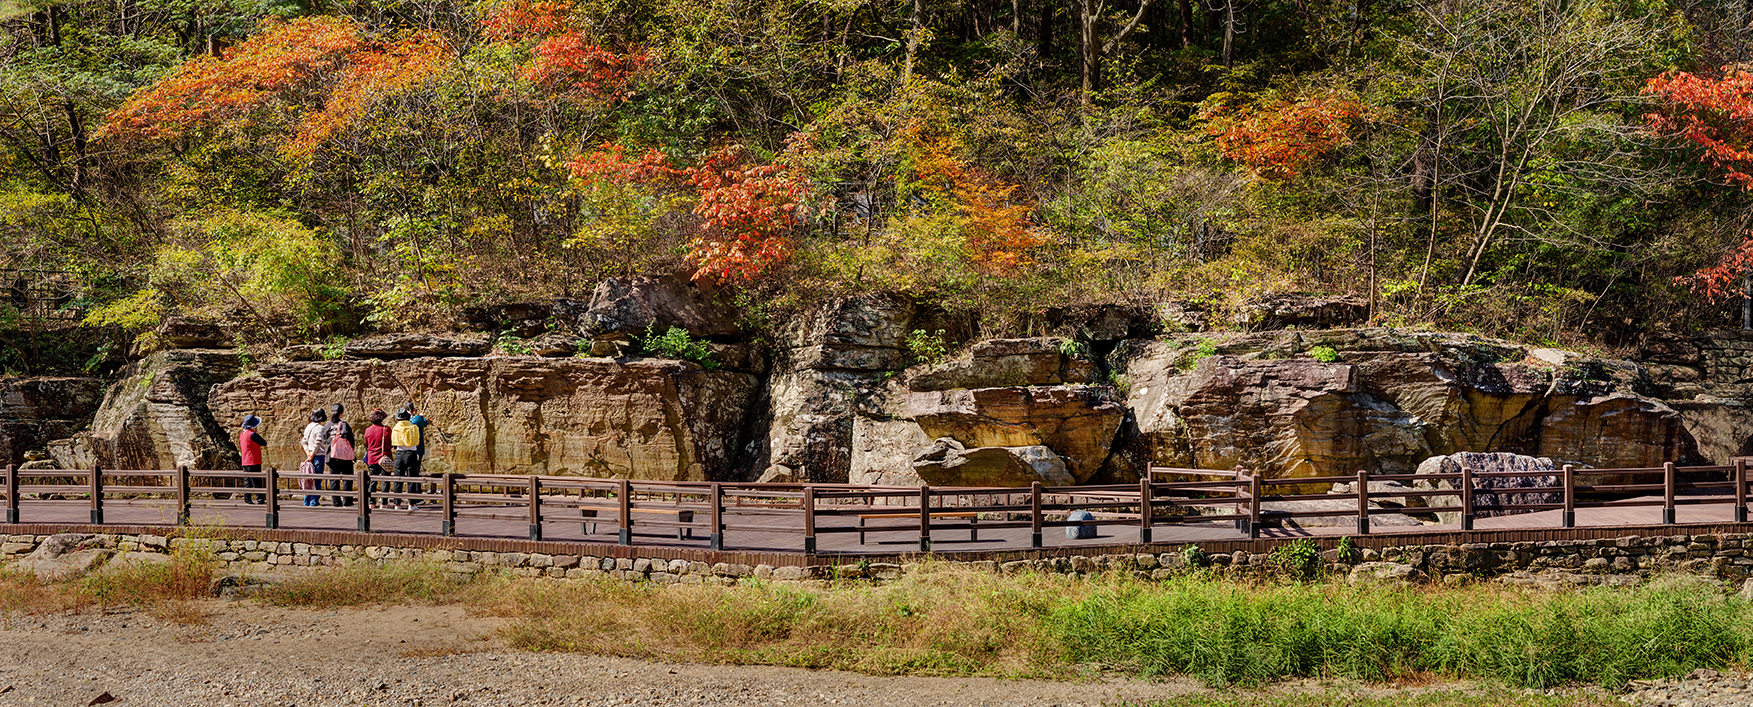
(166, 586)
(955, 622)
(362, 584)
(1439, 698)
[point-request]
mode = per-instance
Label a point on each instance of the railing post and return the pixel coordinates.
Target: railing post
(1035, 514)
(717, 542)
(624, 497)
(447, 524)
(1145, 509)
(1256, 487)
(535, 508)
(925, 518)
(1740, 490)
(809, 520)
(182, 494)
(1569, 496)
(364, 493)
(1363, 502)
(97, 494)
(11, 493)
(1466, 497)
(273, 498)
(1667, 493)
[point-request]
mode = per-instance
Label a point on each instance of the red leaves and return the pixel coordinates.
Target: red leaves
(996, 228)
(747, 208)
(1280, 138)
(1715, 114)
(521, 19)
(570, 63)
(371, 75)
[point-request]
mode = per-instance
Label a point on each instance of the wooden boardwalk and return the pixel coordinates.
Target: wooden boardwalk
(891, 537)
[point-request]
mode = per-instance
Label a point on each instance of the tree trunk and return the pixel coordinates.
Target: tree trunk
(914, 34)
(1088, 51)
(1186, 23)
(1229, 31)
(1044, 31)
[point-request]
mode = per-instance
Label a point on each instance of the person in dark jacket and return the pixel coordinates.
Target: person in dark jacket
(341, 456)
(249, 450)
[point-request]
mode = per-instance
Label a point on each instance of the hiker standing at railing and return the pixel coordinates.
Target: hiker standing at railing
(377, 453)
(406, 437)
(341, 456)
(316, 449)
(249, 449)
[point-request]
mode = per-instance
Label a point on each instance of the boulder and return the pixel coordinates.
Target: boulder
(34, 411)
(633, 305)
(1378, 573)
(191, 333)
(1492, 492)
(641, 419)
(883, 449)
(947, 463)
(156, 417)
(62, 557)
(398, 346)
(1304, 310)
(553, 345)
(1080, 532)
(1077, 422)
(1006, 362)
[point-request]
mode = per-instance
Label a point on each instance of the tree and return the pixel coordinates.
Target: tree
(1092, 48)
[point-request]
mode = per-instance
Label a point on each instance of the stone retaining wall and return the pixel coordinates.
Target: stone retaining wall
(1545, 563)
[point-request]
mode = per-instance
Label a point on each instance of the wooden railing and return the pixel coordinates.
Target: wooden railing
(804, 512)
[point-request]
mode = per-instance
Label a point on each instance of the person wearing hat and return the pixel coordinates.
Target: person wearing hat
(249, 451)
(316, 449)
(406, 438)
(341, 456)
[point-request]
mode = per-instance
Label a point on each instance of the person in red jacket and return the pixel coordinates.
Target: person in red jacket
(249, 450)
(377, 451)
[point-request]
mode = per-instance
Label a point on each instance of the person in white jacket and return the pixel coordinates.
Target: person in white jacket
(316, 451)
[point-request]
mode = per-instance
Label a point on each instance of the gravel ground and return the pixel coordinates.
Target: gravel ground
(1703, 688)
(405, 656)
(245, 654)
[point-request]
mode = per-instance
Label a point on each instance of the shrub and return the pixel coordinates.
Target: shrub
(1324, 354)
(1071, 348)
(677, 343)
(927, 348)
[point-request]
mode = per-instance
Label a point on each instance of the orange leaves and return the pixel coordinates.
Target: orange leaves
(1279, 139)
(1715, 114)
(996, 227)
(571, 64)
(372, 75)
(327, 55)
(210, 89)
(747, 208)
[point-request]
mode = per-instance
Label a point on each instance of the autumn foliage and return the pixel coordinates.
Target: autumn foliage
(341, 71)
(566, 60)
(1715, 114)
(747, 209)
(995, 224)
(1279, 139)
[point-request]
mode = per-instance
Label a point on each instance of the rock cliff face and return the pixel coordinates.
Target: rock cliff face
(839, 396)
(1389, 401)
(156, 416)
(642, 419)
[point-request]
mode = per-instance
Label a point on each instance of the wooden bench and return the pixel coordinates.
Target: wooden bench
(682, 515)
(973, 518)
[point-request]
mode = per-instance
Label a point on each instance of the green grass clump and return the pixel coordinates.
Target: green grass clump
(1436, 698)
(365, 583)
(1224, 633)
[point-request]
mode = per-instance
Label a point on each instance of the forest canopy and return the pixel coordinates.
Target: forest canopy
(1572, 171)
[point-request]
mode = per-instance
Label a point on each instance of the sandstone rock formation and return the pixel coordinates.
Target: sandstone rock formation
(1076, 421)
(1007, 362)
(1302, 309)
(417, 346)
(643, 419)
(1390, 401)
(948, 462)
(36, 410)
(156, 416)
(631, 305)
